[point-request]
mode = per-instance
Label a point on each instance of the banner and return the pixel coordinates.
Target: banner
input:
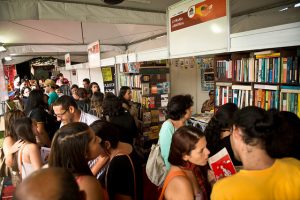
(199, 13)
(108, 74)
(67, 61)
(94, 54)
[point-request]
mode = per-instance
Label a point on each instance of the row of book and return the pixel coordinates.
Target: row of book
(155, 101)
(154, 116)
(283, 97)
(265, 68)
(133, 81)
(158, 88)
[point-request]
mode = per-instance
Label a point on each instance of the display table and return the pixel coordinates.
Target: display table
(200, 120)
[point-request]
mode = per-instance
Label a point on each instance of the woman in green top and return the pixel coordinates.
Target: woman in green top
(179, 110)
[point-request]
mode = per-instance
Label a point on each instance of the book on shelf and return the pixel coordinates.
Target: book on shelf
(154, 116)
(221, 164)
(164, 98)
(147, 117)
(145, 89)
(153, 89)
(161, 115)
(145, 78)
(163, 87)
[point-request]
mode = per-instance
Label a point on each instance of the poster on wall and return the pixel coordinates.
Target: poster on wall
(198, 27)
(108, 74)
(67, 61)
(94, 54)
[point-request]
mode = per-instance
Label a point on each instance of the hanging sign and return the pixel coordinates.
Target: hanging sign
(68, 61)
(94, 54)
(198, 27)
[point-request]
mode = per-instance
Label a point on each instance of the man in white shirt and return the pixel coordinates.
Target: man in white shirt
(66, 110)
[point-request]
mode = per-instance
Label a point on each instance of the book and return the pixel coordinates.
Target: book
(154, 116)
(164, 100)
(147, 118)
(221, 164)
(45, 151)
(145, 89)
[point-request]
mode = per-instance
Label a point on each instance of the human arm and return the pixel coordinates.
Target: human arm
(165, 139)
(9, 148)
(42, 135)
(91, 187)
(179, 188)
(35, 156)
(102, 160)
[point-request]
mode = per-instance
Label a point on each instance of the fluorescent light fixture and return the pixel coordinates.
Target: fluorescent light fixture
(216, 28)
(2, 48)
(283, 9)
(7, 58)
(297, 5)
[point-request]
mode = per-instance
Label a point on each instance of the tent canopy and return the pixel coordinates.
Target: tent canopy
(56, 27)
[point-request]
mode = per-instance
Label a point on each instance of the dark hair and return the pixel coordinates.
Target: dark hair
(65, 101)
(177, 106)
(60, 74)
(23, 89)
(94, 83)
(82, 93)
(107, 132)
(35, 100)
(86, 80)
(112, 105)
(285, 137)
(122, 92)
(211, 92)
(184, 140)
(256, 125)
(22, 127)
(69, 148)
(222, 120)
(74, 86)
(9, 120)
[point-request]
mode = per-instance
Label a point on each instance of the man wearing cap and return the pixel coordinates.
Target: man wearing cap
(50, 87)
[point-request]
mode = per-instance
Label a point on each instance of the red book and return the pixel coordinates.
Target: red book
(221, 164)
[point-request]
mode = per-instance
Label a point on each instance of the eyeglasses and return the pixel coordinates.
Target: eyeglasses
(60, 115)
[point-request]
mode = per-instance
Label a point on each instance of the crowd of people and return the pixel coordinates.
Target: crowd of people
(91, 137)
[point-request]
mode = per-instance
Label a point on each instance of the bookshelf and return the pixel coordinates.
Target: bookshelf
(150, 85)
(267, 78)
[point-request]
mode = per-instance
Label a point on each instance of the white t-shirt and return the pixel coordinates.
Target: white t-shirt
(85, 118)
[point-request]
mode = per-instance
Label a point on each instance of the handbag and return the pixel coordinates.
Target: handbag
(4, 169)
(155, 168)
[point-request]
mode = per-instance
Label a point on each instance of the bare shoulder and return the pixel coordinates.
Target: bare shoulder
(33, 147)
(8, 142)
(91, 187)
(179, 188)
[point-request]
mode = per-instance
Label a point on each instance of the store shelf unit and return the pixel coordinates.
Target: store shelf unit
(267, 78)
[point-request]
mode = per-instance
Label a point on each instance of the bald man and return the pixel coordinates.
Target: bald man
(49, 184)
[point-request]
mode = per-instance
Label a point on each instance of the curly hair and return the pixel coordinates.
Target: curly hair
(112, 105)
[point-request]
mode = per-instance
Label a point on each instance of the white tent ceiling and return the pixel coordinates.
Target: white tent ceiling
(38, 27)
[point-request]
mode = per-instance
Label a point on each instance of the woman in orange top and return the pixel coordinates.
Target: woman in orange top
(188, 151)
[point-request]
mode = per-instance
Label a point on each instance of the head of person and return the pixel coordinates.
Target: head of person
(49, 85)
(9, 120)
(109, 134)
(25, 129)
(125, 93)
(112, 105)
(25, 91)
(82, 93)
(285, 138)
(211, 95)
(94, 87)
(221, 121)
(65, 109)
(86, 83)
(73, 146)
(97, 99)
(252, 127)
(188, 146)
(61, 185)
(35, 100)
(58, 90)
(74, 89)
(60, 76)
(180, 107)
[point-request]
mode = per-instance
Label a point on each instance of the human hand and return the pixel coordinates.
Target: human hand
(16, 146)
(211, 177)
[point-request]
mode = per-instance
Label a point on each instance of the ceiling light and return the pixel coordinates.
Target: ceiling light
(283, 9)
(7, 58)
(297, 5)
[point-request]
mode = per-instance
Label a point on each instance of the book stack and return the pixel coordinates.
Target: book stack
(223, 93)
(242, 95)
(290, 99)
(266, 96)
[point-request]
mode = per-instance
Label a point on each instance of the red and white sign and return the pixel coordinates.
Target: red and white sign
(68, 61)
(199, 13)
(94, 54)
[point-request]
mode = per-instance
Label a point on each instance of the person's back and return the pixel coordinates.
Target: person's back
(280, 181)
